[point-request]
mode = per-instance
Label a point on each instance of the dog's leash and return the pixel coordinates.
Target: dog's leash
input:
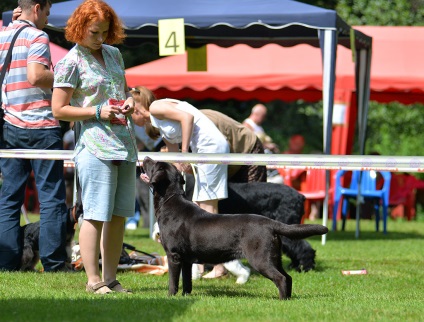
(133, 144)
(131, 247)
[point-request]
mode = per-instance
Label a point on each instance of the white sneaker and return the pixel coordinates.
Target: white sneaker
(131, 226)
(196, 272)
(236, 268)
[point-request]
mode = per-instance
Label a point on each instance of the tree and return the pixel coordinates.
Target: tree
(382, 12)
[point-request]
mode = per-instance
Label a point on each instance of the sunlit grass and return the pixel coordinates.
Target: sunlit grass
(391, 291)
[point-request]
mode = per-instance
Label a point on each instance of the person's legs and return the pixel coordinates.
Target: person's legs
(15, 173)
(12, 197)
(209, 205)
(89, 242)
(111, 247)
(52, 195)
(212, 207)
(98, 181)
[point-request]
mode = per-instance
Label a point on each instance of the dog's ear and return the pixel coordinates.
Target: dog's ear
(154, 178)
(182, 181)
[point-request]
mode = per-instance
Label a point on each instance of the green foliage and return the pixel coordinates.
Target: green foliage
(382, 12)
(395, 129)
(6, 5)
(283, 120)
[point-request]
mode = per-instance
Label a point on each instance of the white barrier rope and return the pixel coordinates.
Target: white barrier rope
(289, 161)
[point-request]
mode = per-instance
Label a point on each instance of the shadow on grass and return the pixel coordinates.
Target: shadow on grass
(96, 308)
(218, 291)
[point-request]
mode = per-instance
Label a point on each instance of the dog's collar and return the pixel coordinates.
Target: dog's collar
(167, 199)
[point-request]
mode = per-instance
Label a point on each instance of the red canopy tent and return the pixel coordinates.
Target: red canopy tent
(274, 72)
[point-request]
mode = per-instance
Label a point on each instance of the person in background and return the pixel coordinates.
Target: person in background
(254, 121)
(179, 122)
(240, 140)
(29, 124)
(86, 79)
(296, 145)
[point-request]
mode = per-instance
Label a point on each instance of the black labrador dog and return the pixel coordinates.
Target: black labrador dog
(275, 201)
(31, 234)
(191, 235)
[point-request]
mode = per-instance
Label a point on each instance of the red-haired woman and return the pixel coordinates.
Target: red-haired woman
(105, 156)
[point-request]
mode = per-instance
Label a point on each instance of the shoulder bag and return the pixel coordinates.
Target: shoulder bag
(6, 64)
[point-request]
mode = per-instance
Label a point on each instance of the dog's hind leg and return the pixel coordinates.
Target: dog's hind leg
(186, 275)
(288, 283)
(267, 261)
(281, 279)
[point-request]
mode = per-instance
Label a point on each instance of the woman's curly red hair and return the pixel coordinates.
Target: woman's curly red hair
(88, 12)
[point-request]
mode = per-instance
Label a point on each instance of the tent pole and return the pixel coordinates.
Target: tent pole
(363, 81)
(328, 42)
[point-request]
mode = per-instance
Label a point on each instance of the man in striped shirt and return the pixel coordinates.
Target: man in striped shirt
(29, 124)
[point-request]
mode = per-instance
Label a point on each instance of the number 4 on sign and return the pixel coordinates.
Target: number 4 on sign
(171, 37)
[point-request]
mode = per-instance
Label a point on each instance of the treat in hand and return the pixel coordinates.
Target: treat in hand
(120, 119)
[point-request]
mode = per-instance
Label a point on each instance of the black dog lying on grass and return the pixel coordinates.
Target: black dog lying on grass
(191, 235)
(275, 201)
(31, 235)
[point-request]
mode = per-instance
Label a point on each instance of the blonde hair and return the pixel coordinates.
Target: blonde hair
(146, 97)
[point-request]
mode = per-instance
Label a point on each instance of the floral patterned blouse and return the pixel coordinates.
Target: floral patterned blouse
(93, 85)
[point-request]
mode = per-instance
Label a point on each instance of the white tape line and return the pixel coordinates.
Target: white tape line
(289, 161)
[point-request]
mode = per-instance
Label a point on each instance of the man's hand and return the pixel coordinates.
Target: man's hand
(16, 13)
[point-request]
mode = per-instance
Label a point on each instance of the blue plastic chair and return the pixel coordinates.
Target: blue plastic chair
(368, 191)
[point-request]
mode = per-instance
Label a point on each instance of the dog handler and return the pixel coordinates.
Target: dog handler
(86, 79)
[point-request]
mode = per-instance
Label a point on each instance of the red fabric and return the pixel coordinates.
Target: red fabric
(271, 72)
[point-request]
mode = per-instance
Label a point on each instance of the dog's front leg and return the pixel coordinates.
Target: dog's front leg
(174, 269)
(187, 282)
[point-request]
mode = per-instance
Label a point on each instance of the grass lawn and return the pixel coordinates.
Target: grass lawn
(393, 289)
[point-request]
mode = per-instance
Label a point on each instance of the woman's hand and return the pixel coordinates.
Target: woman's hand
(109, 112)
(145, 178)
(128, 107)
(184, 167)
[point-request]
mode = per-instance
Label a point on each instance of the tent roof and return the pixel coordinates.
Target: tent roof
(276, 72)
(223, 22)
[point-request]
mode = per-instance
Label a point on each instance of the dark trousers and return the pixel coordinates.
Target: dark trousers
(51, 192)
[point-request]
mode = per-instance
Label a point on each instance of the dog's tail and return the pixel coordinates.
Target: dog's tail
(299, 231)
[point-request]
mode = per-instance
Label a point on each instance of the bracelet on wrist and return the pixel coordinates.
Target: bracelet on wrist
(98, 111)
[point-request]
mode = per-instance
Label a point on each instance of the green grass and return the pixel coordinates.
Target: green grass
(393, 289)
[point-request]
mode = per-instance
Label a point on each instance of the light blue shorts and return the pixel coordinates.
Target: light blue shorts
(107, 189)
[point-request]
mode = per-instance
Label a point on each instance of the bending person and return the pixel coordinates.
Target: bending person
(241, 140)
